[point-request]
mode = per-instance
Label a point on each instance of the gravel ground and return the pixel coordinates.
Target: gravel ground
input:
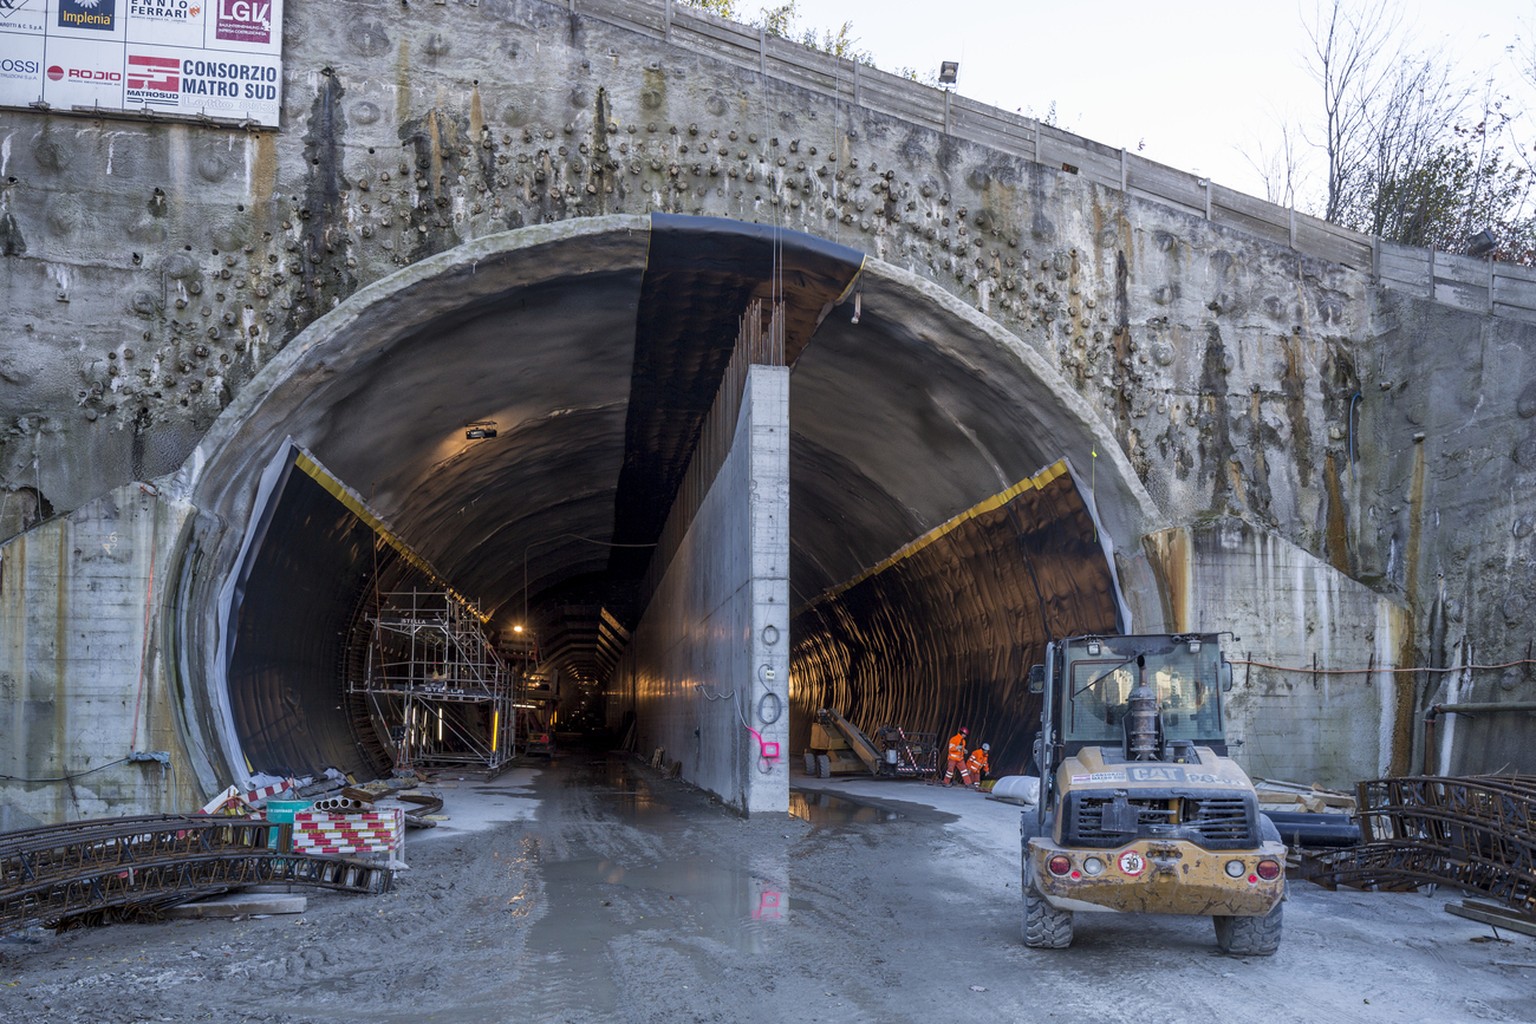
(595, 890)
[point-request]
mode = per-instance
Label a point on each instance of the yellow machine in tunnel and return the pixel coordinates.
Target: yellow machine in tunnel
(838, 747)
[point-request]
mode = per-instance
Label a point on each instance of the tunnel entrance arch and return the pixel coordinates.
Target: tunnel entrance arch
(901, 419)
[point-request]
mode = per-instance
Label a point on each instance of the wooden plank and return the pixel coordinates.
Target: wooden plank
(644, 17)
(1525, 314)
(1409, 269)
(1511, 290)
(1090, 165)
(1240, 221)
(1498, 920)
(1462, 269)
(1462, 296)
(904, 106)
(1321, 240)
(722, 37)
(995, 128)
(1165, 185)
(1252, 207)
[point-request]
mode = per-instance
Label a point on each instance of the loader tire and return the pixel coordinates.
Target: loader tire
(823, 766)
(1045, 927)
(1249, 936)
(810, 763)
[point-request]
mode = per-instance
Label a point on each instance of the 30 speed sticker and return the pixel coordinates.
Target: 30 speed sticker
(1132, 863)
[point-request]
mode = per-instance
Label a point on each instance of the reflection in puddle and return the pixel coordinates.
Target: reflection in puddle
(730, 903)
(820, 808)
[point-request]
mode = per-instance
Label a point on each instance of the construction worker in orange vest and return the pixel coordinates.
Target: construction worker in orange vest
(978, 763)
(957, 758)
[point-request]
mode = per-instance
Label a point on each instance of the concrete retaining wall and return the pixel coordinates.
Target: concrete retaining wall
(1314, 700)
(80, 683)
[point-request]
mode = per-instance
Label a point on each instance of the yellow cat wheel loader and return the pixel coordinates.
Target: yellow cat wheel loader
(1141, 810)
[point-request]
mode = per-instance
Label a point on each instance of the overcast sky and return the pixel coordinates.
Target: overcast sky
(1195, 83)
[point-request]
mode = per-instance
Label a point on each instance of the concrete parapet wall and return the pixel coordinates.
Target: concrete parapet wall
(710, 658)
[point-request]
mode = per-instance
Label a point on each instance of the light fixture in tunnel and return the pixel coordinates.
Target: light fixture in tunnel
(479, 430)
(949, 72)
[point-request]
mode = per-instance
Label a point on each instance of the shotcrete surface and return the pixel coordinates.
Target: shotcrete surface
(596, 890)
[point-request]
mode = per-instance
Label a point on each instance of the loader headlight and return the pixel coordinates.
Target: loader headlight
(1093, 867)
(1235, 869)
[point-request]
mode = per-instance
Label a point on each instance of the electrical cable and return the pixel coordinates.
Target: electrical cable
(68, 778)
(1305, 670)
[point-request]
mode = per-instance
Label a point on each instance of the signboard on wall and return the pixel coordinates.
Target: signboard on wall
(186, 58)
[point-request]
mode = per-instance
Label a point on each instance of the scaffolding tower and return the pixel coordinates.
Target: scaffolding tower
(435, 685)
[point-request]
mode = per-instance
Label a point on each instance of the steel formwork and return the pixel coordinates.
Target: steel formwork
(131, 866)
(435, 686)
(1475, 832)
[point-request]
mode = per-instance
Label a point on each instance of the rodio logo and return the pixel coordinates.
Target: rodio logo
(94, 76)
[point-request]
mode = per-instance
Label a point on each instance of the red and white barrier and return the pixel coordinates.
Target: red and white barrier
(333, 832)
(232, 801)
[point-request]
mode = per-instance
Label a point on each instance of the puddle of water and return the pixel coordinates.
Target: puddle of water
(821, 808)
(724, 902)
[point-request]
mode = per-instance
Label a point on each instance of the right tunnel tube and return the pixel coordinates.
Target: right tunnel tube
(943, 632)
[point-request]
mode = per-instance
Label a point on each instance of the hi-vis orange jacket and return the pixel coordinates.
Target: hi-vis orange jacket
(957, 747)
(978, 762)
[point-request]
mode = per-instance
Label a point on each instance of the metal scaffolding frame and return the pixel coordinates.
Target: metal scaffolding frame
(436, 686)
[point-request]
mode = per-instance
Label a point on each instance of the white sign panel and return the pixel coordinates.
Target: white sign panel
(24, 17)
(84, 73)
(189, 58)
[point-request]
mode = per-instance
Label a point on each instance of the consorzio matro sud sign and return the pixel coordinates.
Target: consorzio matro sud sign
(188, 58)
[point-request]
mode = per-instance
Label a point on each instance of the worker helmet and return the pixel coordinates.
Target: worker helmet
(986, 746)
(964, 731)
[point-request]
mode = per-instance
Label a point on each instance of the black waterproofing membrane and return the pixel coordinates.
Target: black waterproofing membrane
(700, 275)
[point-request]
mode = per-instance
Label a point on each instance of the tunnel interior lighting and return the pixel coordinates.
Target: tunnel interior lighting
(949, 72)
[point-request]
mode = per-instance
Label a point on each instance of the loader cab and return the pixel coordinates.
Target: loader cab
(1088, 684)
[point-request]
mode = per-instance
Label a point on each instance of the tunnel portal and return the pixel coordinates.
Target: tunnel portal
(514, 426)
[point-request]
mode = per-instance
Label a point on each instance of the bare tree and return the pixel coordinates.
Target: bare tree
(1353, 53)
(1279, 167)
(1412, 155)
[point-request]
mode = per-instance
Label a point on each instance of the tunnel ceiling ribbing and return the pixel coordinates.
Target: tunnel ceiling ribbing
(942, 633)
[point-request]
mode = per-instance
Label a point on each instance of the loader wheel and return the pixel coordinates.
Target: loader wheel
(1045, 927)
(810, 763)
(823, 766)
(1249, 936)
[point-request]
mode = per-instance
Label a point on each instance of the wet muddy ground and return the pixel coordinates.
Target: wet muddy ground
(595, 890)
